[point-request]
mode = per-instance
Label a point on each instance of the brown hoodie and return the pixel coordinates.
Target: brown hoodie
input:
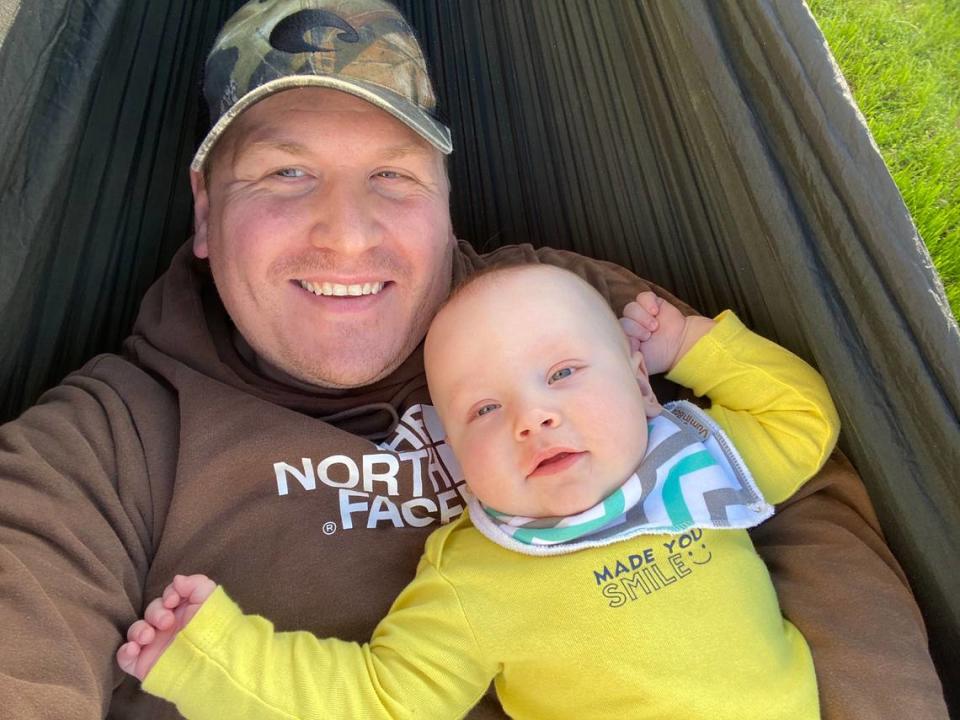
(312, 507)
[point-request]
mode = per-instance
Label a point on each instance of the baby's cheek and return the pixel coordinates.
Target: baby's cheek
(626, 442)
(483, 466)
(474, 457)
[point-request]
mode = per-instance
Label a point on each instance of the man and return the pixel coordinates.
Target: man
(270, 407)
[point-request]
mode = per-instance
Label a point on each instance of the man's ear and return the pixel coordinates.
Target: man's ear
(650, 402)
(201, 213)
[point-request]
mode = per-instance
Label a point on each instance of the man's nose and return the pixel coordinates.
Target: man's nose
(534, 421)
(342, 219)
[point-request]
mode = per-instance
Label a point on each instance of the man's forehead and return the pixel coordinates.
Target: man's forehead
(291, 126)
(280, 139)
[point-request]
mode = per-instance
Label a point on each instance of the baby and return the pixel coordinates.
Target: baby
(602, 569)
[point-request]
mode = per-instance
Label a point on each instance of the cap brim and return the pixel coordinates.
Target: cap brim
(406, 112)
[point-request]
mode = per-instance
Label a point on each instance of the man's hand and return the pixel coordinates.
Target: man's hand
(164, 617)
(660, 331)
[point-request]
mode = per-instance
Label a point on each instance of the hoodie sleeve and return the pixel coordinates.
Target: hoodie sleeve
(74, 546)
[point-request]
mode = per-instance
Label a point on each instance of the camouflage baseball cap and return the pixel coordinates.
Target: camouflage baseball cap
(362, 47)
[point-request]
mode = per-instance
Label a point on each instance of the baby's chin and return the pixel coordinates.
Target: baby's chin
(567, 507)
(555, 508)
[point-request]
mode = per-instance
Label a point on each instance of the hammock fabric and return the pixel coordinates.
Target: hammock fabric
(711, 146)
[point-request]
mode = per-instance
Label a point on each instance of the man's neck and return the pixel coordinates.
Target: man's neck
(272, 372)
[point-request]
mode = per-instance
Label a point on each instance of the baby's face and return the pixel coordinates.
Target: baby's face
(543, 403)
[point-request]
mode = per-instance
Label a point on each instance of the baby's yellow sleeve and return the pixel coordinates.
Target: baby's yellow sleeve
(773, 405)
(422, 660)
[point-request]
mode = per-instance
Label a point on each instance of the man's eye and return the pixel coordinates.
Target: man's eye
(560, 375)
(290, 173)
(488, 408)
(391, 175)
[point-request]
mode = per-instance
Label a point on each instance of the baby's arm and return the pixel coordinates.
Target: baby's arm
(773, 405)
(423, 658)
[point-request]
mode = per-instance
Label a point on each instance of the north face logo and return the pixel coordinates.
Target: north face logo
(369, 487)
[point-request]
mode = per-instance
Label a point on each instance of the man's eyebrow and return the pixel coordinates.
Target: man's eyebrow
(291, 147)
(396, 152)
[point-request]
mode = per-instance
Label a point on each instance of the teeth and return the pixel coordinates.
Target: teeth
(337, 290)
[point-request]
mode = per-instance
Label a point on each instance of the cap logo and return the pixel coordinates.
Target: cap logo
(290, 34)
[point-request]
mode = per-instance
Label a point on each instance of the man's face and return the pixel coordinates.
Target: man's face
(327, 226)
(542, 401)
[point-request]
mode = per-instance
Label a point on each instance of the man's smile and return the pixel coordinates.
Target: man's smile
(349, 298)
(330, 289)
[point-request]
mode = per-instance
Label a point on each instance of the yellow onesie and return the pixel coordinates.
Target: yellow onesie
(657, 626)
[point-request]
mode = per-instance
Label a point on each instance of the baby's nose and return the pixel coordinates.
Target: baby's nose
(536, 421)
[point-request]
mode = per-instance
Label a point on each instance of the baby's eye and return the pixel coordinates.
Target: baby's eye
(488, 408)
(290, 172)
(560, 375)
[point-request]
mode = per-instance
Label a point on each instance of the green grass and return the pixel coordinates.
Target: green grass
(902, 61)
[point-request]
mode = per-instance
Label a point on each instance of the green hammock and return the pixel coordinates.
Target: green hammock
(710, 146)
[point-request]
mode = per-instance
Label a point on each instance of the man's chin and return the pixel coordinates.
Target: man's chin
(348, 381)
(343, 373)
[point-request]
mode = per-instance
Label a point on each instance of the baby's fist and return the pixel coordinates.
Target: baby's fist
(660, 331)
(163, 618)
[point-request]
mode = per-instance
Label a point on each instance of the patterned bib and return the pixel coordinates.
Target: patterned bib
(690, 476)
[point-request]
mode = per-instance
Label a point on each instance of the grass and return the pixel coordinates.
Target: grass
(902, 61)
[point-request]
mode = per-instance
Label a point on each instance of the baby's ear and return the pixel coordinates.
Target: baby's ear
(650, 402)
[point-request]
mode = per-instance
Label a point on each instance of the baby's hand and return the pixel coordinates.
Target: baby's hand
(660, 331)
(164, 617)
